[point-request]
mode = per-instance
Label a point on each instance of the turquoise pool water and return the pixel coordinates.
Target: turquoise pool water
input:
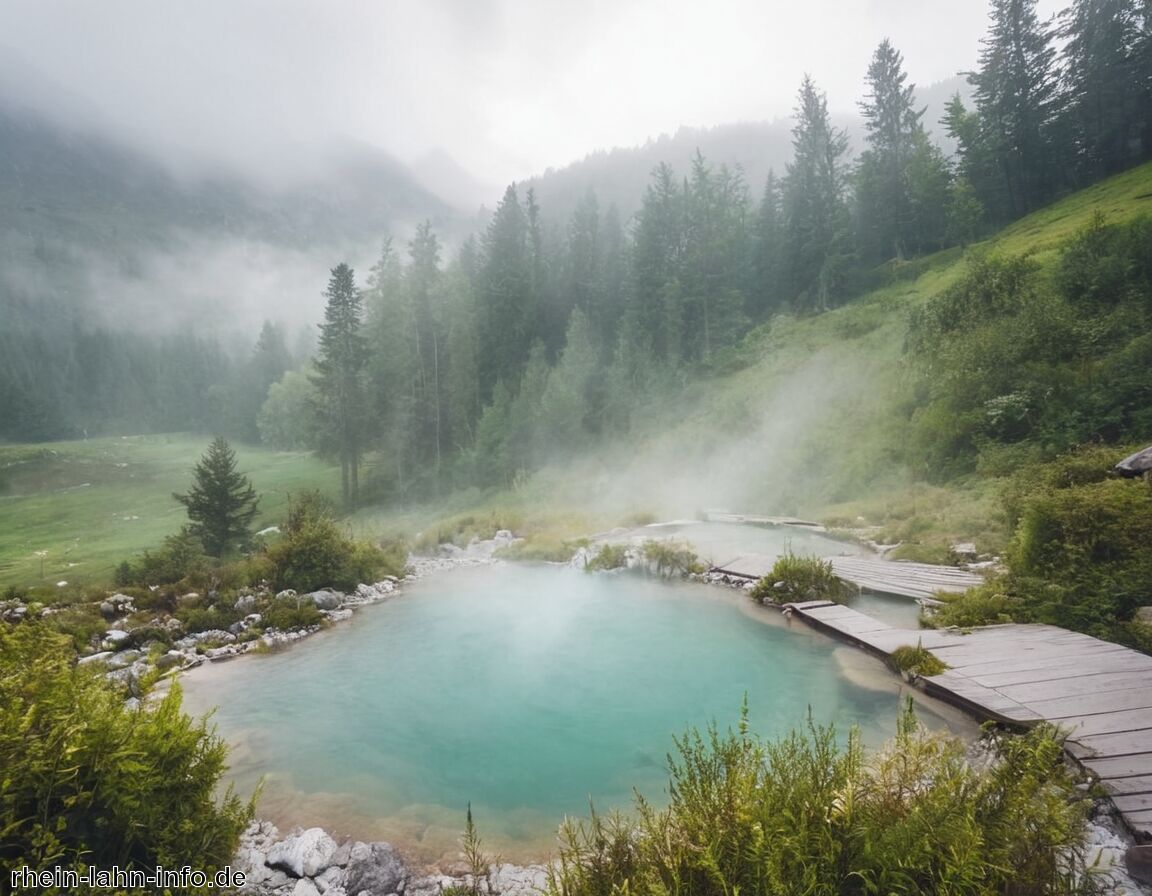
(523, 690)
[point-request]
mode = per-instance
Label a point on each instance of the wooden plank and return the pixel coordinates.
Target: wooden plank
(1137, 802)
(1120, 766)
(1106, 723)
(1128, 786)
(1021, 660)
(1104, 683)
(1072, 667)
(1120, 743)
(1063, 707)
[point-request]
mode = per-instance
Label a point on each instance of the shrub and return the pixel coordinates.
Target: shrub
(1080, 555)
(287, 613)
(917, 660)
(805, 814)
(986, 604)
(314, 553)
(794, 578)
(88, 782)
(610, 556)
(181, 557)
(672, 559)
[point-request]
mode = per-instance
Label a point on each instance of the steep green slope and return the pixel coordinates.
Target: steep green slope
(813, 416)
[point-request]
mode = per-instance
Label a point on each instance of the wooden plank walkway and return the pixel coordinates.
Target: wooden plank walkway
(1100, 693)
(723, 516)
(916, 580)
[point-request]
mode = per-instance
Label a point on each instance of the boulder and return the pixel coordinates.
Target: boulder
(305, 887)
(114, 639)
(374, 867)
(107, 609)
(101, 657)
(16, 613)
(1135, 464)
(123, 658)
(330, 879)
(517, 880)
(303, 855)
(1138, 860)
(245, 602)
(325, 600)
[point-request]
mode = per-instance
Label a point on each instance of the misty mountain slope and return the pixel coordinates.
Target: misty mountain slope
(619, 175)
(105, 234)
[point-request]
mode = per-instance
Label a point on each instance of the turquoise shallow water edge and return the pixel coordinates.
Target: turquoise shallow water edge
(526, 691)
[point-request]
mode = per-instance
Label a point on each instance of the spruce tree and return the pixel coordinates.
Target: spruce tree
(1102, 84)
(883, 177)
(1015, 89)
(817, 244)
(221, 503)
(339, 378)
(506, 302)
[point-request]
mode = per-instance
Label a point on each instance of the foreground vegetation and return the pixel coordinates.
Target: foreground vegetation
(806, 814)
(89, 782)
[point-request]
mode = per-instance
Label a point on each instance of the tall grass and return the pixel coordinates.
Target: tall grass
(807, 815)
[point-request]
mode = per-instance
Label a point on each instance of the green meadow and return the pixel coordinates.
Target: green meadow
(72, 511)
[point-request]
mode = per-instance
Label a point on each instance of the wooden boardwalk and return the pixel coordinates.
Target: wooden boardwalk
(916, 580)
(1099, 693)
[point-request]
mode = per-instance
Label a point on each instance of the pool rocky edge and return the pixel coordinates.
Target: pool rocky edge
(311, 862)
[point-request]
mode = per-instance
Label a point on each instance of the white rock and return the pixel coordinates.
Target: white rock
(330, 878)
(305, 887)
(101, 657)
(325, 599)
(115, 638)
(305, 854)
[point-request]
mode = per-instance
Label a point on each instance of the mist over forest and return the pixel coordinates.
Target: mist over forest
(146, 290)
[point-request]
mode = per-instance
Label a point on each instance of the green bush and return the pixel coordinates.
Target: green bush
(181, 557)
(315, 554)
(88, 782)
(672, 559)
(1080, 556)
(805, 814)
(986, 604)
(610, 556)
(795, 578)
(287, 613)
(918, 660)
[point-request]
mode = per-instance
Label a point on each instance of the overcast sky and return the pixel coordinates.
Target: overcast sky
(506, 87)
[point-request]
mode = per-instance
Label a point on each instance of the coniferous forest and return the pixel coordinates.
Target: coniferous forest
(469, 362)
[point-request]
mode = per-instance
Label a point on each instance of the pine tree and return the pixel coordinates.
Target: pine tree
(652, 319)
(768, 250)
(1102, 84)
(221, 503)
(506, 303)
(817, 243)
(901, 174)
(339, 378)
(1015, 90)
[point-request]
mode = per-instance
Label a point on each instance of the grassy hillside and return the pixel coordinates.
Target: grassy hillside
(812, 416)
(71, 511)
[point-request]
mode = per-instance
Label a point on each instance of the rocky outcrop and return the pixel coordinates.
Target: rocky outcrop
(306, 854)
(309, 862)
